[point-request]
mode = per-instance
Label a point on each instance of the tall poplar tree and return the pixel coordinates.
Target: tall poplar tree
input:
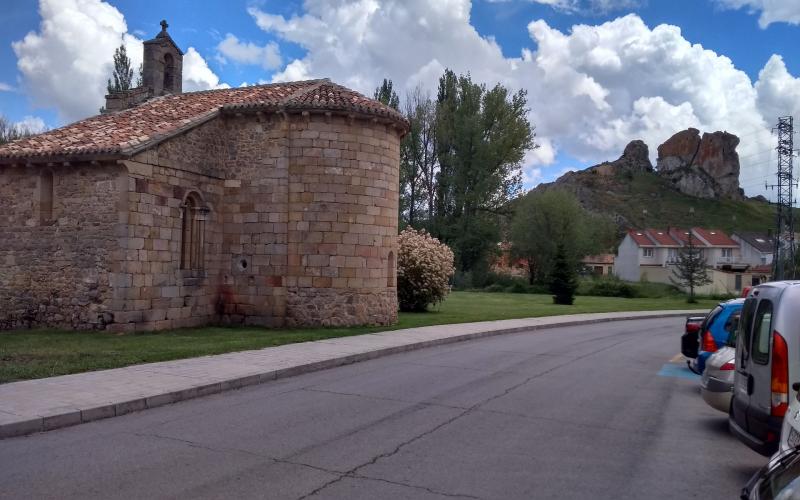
(123, 73)
(481, 138)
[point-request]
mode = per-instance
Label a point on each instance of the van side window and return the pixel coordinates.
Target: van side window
(762, 331)
(746, 325)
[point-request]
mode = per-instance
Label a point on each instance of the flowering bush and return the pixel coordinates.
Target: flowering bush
(424, 267)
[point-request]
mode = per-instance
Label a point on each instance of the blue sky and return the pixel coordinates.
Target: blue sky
(632, 69)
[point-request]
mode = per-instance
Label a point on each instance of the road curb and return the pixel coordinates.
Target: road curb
(74, 416)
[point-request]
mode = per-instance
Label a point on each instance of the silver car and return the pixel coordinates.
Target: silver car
(716, 385)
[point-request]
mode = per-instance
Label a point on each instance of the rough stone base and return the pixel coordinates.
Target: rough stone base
(326, 307)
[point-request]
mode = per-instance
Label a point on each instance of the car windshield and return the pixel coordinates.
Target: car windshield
(782, 482)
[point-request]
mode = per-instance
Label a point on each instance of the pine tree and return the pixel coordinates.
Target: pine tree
(690, 269)
(123, 73)
(564, 278)
(386, 94)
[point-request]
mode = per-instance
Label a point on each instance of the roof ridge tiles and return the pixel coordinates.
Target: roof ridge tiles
(133, 129)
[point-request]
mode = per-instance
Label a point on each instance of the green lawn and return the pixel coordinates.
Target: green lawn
(29, 354)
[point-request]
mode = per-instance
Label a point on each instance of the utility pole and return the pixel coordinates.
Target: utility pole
(783, 262)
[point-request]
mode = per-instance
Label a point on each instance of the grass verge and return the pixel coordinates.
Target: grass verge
(30, 354)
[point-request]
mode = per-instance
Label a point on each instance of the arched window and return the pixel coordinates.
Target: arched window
(390, 271)
(193, 235)
(169, 72)
(45, 197)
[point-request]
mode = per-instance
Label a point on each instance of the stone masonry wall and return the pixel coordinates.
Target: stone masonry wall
(55, 271)
(255, 211)
(151, 291)
(301, 230)
(343, 203)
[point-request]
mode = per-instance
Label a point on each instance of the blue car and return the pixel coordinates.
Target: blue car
(714, 332)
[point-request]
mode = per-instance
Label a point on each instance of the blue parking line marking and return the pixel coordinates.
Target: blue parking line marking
(680, 371)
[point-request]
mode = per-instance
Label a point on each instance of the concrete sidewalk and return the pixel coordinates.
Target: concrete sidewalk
(45, 404)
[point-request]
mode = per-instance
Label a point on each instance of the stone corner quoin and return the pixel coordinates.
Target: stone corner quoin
(271, 205)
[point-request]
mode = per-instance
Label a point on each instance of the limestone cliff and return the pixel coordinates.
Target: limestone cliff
(704, 167)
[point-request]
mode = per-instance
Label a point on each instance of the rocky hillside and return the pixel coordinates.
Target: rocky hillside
(693, 172)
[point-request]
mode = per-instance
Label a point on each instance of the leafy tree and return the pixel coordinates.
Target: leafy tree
(123, 73)
(418, 163)
(386, 94)
(564, 278)
(545, 221)
(690, 269)
(481, 138)
(11, 132)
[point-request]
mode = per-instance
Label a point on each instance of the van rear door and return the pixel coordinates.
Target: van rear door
(743, 381)
(759, 368)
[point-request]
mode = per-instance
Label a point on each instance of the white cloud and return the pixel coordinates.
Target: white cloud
(268, 56)
(32, 124)
(66, 63)
(778, 91)
(771, 11)
(590, 90)
(197, 75)
(4, 87)
(588, 6)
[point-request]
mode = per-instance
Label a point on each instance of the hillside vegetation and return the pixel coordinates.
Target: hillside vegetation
(644, 199)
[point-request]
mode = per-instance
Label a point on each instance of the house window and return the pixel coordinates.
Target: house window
(193, 217)
(648, 253)
(45, 198)
(738, 282)
(763, 259)
(672, 255)
(727, 253)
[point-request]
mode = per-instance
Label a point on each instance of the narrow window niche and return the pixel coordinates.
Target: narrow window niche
(193, 216)
(44, 198)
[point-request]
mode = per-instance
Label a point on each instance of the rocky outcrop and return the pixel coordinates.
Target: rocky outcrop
(635, 158)
(706, 167)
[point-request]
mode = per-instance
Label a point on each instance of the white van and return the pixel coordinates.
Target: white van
(767, 363)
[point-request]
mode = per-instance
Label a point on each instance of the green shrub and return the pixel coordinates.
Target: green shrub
(609, 287)
(518, 287)
(495, 288)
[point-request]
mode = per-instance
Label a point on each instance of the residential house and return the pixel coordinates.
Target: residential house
(757, 248)
(651, 255)
(599, 265)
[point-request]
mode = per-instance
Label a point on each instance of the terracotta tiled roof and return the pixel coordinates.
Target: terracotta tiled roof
(662, 238)
(641, 238)
(129, 131)
(762, 269)
(715, 237)
(603, 258)
(682, 235)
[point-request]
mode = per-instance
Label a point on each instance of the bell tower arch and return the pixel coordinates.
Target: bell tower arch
(162, 70)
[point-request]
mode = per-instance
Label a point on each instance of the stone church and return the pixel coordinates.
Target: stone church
(266, 205)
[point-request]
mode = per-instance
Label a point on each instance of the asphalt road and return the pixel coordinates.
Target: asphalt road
(577, 412)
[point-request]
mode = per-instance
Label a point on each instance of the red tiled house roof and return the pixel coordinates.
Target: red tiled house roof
(662, 238)
(124, 133)
(603, 258)
(682, 235)
(715, 237)
(641, 238)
